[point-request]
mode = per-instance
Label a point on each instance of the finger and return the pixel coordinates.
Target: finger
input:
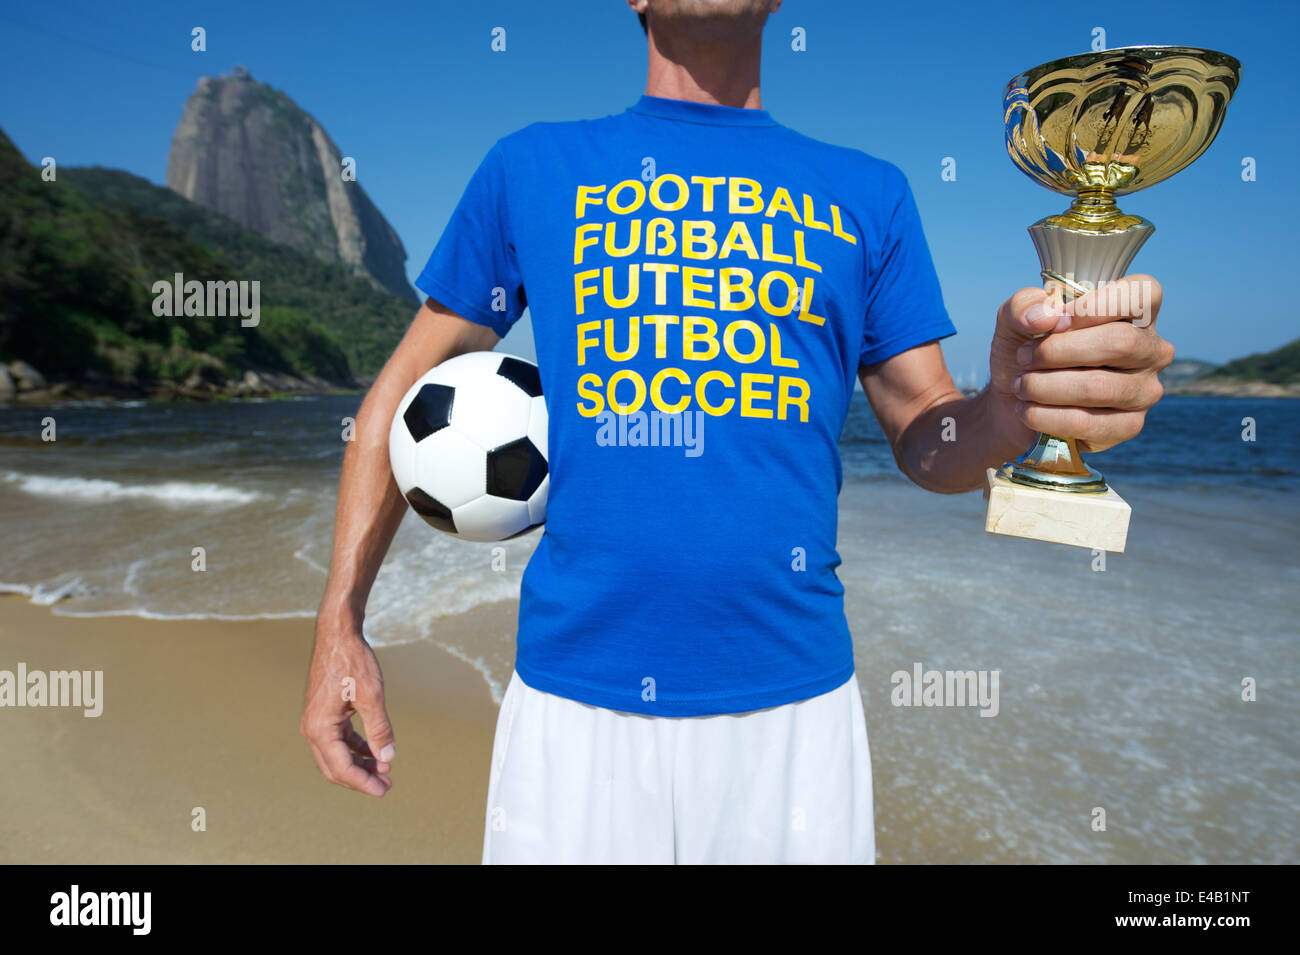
(1096, 428)
(346, 772)
(1114, 345)
(320, 762)
(356, 742)
(371, 767)
(1134, 298)
(338, 764)
(360, 747)
(1090, 388)
(374, 718)
(1030, 312)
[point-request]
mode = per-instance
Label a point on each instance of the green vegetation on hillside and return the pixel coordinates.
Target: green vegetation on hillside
(1279, 367)
(79, 257)
(368, 322)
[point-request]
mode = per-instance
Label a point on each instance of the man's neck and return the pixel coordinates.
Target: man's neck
(724, 74)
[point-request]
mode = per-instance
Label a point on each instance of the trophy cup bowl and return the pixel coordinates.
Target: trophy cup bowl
(1117, 120)
(1096, 126)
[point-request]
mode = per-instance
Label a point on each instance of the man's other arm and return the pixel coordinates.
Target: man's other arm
(370, 508)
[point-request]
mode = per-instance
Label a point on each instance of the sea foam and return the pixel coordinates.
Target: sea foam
(99, 489)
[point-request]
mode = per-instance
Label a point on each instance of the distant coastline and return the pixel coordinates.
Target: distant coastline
(1233, 388)
(32, 388)
(26, 386)
(1274, 374)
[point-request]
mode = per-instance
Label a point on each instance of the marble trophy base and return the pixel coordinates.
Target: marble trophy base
(1095, 521)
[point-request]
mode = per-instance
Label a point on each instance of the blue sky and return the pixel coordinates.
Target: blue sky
(415, 93)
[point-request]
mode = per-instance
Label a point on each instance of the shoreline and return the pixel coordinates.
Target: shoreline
(204, 713)
(274, 388)
(1233, 388)
(263, 386)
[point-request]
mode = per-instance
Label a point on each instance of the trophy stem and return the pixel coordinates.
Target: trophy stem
(1054, 464)
(1088, 246)
(1094, 212)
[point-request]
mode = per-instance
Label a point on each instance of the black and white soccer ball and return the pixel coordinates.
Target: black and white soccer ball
(468, 447)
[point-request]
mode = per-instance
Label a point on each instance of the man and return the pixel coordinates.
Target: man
(684, 687)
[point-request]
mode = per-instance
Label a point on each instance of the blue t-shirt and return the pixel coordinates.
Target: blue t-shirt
(704, 284)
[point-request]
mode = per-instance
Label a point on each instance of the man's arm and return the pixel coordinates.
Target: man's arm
(370, 508)
(912, 394)
(1093, 378)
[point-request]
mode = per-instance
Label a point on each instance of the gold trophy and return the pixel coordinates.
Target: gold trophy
(1097, 126)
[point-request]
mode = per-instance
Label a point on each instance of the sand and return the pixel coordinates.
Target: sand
(205, 714)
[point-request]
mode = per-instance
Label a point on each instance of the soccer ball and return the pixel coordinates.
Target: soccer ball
(468, 447)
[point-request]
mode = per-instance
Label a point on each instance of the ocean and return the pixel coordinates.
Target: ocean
(1121, 734)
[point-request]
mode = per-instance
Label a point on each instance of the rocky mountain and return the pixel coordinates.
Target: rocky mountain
(80, 257)
(249, 152)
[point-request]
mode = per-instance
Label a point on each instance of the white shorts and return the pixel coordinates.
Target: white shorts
(573, 783)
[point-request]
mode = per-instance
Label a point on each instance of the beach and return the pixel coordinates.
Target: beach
(181, 549)
(204, 713)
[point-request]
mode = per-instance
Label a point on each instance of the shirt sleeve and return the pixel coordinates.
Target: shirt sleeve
(474, 269)
(904, 302)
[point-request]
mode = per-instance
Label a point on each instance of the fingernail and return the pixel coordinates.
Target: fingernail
(1063, 324)
(1015, 384)
(1020, 408)
(1023, 354)
(1042, 311)
(387, 753)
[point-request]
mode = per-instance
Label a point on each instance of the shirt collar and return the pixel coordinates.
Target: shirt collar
(710, 114)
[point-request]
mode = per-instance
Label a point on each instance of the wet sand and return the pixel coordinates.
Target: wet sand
(204, 713)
